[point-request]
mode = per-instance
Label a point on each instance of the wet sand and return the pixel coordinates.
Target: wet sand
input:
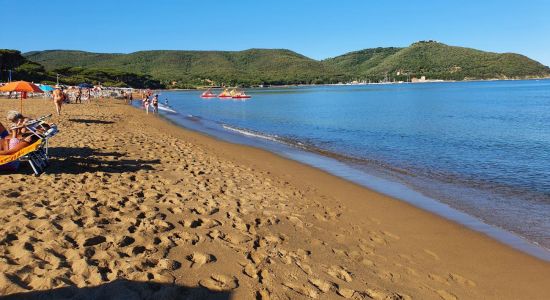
(132, 205)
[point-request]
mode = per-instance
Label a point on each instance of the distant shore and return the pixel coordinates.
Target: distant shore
(132, 196)
(363, 84)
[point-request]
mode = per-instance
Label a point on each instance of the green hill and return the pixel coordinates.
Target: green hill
(249, 67)
(20, 67)
(436, 61)
(278, 66)
(24, 69)
(359, 62)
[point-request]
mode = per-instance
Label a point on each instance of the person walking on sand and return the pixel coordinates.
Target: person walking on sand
(58, 98)
(146, 104)
(155, 104)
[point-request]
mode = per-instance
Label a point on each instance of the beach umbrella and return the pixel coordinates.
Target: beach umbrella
(23, 87)
(85, 86)
(46, 88)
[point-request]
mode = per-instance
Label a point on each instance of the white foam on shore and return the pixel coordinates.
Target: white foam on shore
(250, 133)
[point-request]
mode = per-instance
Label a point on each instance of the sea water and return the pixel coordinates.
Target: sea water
(479, 148)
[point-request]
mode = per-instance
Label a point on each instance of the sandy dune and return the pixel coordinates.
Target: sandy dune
(135, 207)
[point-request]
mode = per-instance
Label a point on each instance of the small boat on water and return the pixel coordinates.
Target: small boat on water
(240, 95)
(225, 94)
(208, 94)
(243, 96)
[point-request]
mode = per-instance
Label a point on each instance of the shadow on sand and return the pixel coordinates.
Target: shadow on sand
(76, 160)
(91, 121)
(122, 289)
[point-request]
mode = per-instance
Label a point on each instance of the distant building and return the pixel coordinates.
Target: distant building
(422, 79)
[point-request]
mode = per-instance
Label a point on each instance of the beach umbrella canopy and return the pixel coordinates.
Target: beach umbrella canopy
(23, 87)
(46, 88)
(85, 86)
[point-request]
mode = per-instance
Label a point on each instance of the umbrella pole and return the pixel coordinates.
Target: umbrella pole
(21, 103)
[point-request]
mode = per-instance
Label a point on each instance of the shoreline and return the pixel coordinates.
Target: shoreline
(426, 209)
(303, 221)
(343, 167)
(365, 84)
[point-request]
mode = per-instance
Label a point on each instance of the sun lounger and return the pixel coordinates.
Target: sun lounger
(35, 154)
(38, 128)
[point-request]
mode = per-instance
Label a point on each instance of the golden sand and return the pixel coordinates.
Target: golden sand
(130, 199)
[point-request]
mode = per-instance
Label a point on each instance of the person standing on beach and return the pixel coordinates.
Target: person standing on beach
(155, 104)
(58, 98)
(146, 104)
(78, 98)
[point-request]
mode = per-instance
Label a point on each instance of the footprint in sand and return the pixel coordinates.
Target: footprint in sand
(302, 290)
(198, 259)
(220, 283)
(340, 273)
(438, 278)
(461, 280)
(384, 295)
(321, 284)
(432, 254)
(345, 292)
(446, 295)
(251, 271)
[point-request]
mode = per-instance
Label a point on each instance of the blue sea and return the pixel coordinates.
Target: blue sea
(474, 152)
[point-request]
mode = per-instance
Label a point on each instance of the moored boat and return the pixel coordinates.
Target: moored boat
(208, 94)
(225, 94)
(240, 95)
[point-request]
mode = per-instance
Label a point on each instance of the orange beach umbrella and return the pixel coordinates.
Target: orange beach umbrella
(23, 87)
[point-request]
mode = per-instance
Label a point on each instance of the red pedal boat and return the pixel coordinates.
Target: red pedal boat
(208, 94)
(241, 97)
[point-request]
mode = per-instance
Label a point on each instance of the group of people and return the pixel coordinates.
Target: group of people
(149, 102)
(15, 137)
(78, 94)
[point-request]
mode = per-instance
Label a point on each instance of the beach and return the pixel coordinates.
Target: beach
(134, 205)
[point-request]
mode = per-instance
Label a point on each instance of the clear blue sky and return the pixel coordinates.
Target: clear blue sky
(318, 29)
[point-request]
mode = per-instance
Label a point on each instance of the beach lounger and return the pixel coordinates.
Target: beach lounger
(37, 153)
(34, 154)
(37, 127)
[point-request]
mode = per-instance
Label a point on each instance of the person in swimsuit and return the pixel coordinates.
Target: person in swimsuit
(156, 104)
(58, 98)
(17, 144)
(146, 104)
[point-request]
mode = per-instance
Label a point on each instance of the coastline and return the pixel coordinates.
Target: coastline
(343, 167)
(328, 229)
(360, 84)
